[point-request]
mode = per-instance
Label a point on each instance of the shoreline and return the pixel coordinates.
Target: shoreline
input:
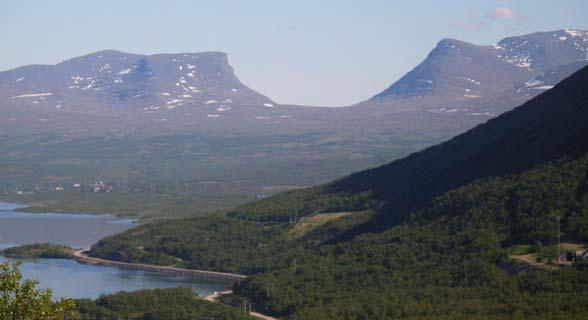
(34, 209)
(82, 257)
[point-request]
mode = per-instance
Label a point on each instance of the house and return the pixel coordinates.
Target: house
(100, 186)
(261, 196)
(572, 256)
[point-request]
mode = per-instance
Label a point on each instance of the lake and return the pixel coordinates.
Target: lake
(68, 278)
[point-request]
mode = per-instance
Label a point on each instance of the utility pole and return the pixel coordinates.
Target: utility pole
(558, 240)
(245, 305)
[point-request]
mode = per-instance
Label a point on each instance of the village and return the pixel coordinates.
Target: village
(98, 186)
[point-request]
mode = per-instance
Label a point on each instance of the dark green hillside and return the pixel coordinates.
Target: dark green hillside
(39, 250)
(218, 243)
(450, 261)
(158, 304)
(209, 243)
(444, 263)
(449, 221)
(548, 127)
(291, 205)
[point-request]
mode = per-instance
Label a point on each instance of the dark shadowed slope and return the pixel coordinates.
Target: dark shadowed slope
(550, 126)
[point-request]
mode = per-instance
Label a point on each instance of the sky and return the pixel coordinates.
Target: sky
(308, 52)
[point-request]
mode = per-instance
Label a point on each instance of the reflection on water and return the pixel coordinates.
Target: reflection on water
(69, 278)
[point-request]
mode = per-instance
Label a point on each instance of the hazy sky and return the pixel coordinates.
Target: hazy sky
(302, 52)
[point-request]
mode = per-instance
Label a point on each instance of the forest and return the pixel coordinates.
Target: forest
(156, 304)
(38, 250)
(447, 260)
(435, 238)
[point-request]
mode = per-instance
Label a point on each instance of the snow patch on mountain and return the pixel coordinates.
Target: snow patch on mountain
(533, 83)
(125, 71)
(542, 87)
(32, 95)
(575, 33)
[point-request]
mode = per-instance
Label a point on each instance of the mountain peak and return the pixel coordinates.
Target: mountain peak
(108, 54)
(451, 43)
(460, 71)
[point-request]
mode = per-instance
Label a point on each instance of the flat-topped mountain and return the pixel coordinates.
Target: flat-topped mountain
(456, 76)
(113, 79)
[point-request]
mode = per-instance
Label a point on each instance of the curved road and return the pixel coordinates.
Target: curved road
(214, 298)
(81, 256)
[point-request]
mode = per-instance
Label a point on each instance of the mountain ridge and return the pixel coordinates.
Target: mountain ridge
(465, 74)
(495, 148)
(120, 79)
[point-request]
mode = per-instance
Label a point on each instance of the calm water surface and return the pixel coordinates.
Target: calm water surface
(74, 230)
(69, 278)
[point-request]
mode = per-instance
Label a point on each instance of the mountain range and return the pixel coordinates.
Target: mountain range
(455, 76)
(183, 123)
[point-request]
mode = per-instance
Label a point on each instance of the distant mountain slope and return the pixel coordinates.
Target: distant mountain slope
(173, 123)
(112, 79)
(550, 126)
(457, 68)
(548, 79)
(460, 74)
